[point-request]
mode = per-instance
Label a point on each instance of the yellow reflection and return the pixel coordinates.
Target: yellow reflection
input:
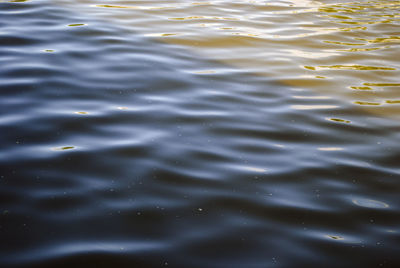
(348, 29)
(136, 7)
(361, 49)
(63, 148)
(338, 17)
(391, 39)
(352, 67)
(382, 84)
(344, 43)
(393, 101)
(361, 88)
(76, 24)
(339, 120)
(284, 40)
(113, 6)
(367, 103)
(364, 22)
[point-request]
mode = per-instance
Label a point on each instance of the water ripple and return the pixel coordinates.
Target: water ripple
(212, 134)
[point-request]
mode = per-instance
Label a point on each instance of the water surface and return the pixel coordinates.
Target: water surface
(207, 134)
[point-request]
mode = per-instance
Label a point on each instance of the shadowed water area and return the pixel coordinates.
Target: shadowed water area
(199, 134)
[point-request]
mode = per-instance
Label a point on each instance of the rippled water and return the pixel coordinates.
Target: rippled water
(199, 134)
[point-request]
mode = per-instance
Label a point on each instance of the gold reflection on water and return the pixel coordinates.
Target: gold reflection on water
(114, 6)
(393, 101)
(63, 148)
(136, 7)
(344, 43)
(383, 84)
(339, 120)
(366, 103)
(361, 49)
(391, 39)
(297, 43)
(361, 88)
(76, 24)
(352, 67)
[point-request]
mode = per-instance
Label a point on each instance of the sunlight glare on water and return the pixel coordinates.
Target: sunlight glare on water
(334, 47)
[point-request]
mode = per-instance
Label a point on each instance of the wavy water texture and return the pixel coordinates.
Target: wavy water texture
(207, 134)
(293, 37)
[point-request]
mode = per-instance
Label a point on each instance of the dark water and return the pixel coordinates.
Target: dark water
(118, 150)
